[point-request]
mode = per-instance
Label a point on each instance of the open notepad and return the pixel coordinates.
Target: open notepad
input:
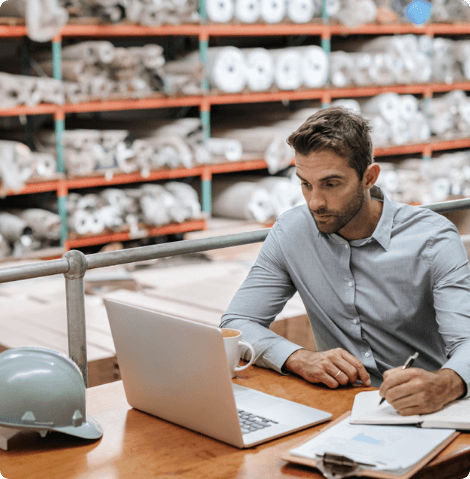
(366, 410)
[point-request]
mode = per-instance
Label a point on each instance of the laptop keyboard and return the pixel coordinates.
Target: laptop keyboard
(252, 422)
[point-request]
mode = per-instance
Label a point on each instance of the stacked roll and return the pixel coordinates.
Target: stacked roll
(143, 12)
(416, 181)
(254, 198)
(232, 69)
(44, 18)
(132, 209)
(97, 69)
(396, 119)
(18, 90)
(28, 230)
(18, 164)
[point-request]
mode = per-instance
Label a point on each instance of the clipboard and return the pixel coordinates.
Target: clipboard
(334, 466)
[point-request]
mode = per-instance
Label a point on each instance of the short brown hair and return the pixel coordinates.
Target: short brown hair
(340, 130)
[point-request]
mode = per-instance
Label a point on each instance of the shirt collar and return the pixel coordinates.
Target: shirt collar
(383, 231)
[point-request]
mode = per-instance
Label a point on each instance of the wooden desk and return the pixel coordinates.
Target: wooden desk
(136, 445)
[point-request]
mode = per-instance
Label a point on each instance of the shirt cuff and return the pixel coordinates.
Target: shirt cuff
(462, 369)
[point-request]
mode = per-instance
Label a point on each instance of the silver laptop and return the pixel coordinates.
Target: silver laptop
(176, 369)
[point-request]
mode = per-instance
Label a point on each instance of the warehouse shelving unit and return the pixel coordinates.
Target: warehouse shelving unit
(61, 184)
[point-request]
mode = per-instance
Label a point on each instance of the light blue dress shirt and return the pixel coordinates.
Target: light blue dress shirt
(404, 289)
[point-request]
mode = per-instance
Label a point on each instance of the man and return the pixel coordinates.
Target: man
(380, 280)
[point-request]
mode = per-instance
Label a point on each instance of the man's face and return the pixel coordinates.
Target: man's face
(332, 190)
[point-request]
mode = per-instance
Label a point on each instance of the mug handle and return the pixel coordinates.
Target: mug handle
(250, 347)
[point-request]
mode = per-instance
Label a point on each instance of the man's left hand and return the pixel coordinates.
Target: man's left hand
(416, 391)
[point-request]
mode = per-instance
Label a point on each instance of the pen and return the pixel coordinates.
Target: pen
(407, 364)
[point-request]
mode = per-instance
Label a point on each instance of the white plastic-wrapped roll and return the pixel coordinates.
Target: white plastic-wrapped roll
(227, 69)
(419, 128)
(273, 11)
(51, 90)
(73, 93)
(80, 222)
(348, 103)
(91, 51)
(408, 107)
(187, 196)
(230, 149)
(399, 133)
(44, 164)
(285, 193)
(361, 72)
(178, 151)
(341, 69)
(382, 71)
(111, 217)
(220, 11)
(78, 163)
(333, 7)
(96, 224)
(278, 155)
(356, 12)
(247, 11)
(300, 11)
(385, 104)
(45, 224)
(242, 200)
(380, 133)
(154, 211)
(259, 69)
(314, 66)
(287, 68)
(422, 71)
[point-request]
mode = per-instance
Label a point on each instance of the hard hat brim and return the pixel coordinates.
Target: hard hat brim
(91, 429)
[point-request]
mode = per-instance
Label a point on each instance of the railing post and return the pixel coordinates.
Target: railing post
(75, 297)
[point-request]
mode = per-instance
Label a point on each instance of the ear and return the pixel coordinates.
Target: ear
(370, 176)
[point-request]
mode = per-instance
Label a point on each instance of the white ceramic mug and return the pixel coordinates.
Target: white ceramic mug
(232, 342)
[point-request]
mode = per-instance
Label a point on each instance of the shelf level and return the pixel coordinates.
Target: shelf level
(170, 229)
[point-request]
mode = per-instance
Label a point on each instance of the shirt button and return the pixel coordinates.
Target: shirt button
(367, 354)
(350, 283)
(355, 321)
(346, 246)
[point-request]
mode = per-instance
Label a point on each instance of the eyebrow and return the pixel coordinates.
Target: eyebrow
(326, 178)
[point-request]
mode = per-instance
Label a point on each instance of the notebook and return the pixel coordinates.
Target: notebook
(366, 410)
(177, 370)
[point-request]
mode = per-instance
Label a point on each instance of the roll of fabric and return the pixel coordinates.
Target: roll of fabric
(348, 103)
(44, 164)
(356, 12)
(247, 11)
(44, 224)
(285, 193)
(242, 200)
(13, 228)
(90, 52)
(230, 149)
(315, 66)
(361, 74)
(227, 69)
(273, 11)
(382, 71)
(386, 105)
(220, 11)
(287, 68)
(380, 133)
(341, 69)
(409, 107)
(187, 197)
(300, 11)
(259, 69)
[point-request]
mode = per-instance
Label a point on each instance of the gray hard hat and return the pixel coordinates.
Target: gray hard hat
(43, 390)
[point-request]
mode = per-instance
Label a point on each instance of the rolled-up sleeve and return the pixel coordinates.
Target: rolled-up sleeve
(261, 297)
(451, 292)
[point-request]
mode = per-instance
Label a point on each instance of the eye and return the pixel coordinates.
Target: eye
(304, 184)
(332, 185)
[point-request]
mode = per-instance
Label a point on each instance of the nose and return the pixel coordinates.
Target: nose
(315, 200)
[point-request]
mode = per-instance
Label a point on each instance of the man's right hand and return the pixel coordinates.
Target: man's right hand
(332, 367)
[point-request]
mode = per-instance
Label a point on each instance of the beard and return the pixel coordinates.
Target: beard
(333, 221)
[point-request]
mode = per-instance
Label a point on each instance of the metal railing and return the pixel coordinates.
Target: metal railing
(74, 264)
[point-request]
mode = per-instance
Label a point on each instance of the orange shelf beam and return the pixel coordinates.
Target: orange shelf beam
(42, 109)
(128, 30)
(196, 225)
(13, 31)
(142, 104)
(39, 187)
(123, 178)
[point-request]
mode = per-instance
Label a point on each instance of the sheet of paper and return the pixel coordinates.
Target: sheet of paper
(366, 410)
(388, 448)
